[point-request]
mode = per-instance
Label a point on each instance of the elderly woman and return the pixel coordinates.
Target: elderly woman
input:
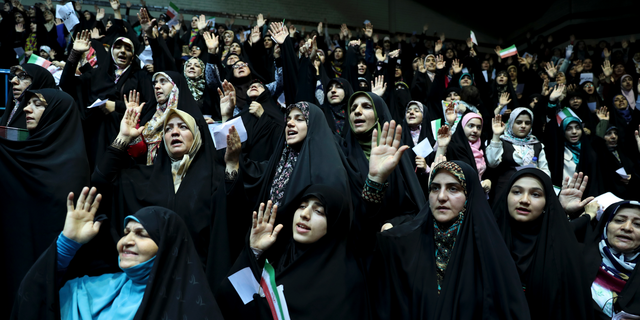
(613, 248)
(154, 253)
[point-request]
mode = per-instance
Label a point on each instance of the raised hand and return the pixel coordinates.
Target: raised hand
(606, 68)
(82, 42)
(263, 234)
(602, 113)
(19, 27)
(260, 20)
(504, 99)
(552, 70)
(227, 100)
(211, 41)
(115, 5)
(457, 66)
(386, 154)
(380, 56)
(344, 31)
(438, 46)
(421, 164)
(442, 37)
(145, 21)
(444, 136)
(497, 126)
(95, 34)
(99, 14)
(234, 146)
(394, 54)
(278, 32)
(637, 135)
(450, 114)
(368, 30)
(128, 125)
(378, 86)
(572, 191)
(607, 53)
(320, 28)
(557, 92)
(79, 225)
(440, 63)
(545, 87)
(134, 101)
(255, 35)
(202, 22)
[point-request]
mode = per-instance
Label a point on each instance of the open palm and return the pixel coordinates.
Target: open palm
(386, 154)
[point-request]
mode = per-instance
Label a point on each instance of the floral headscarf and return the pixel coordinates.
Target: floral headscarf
(152, 133)
(196, 86)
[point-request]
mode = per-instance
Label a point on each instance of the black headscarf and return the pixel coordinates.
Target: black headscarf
(629, 298)
(547, 255)
(481, 279)
(330, 110)
(263, 134)
(177, 287)
(41, 78)
(37, 175)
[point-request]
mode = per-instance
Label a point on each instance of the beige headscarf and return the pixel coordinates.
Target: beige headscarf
(179, 167)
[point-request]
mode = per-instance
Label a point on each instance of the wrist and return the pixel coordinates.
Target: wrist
(378, 178)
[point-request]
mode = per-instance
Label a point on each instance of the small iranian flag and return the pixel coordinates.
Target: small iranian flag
(563, 113)
(473, 38)
(508, 52)
(273, 294)
(35, 59)
(172, 11)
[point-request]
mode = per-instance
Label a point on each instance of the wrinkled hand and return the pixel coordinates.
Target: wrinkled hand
(497, 125)
(278, 31)
(227, 99)
(234, 147)
(572, 191)
(450, 114)
(256, 109)
(134, 101)
(378, 86)
(263, 234)
(79, 225)
(128, 125)
(386, 154)
(602, 113)
(444, 136)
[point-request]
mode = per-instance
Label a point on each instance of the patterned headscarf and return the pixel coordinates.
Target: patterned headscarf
(445, 240)
(196, 86)
(527, 142)
(152, 133)
(119, 70)
(287, 161)
(179, 167)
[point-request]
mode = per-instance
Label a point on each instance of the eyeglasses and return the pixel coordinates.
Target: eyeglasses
(588, 85)
(195, 48)
(256, 86)
(239, 65)
(21, 76)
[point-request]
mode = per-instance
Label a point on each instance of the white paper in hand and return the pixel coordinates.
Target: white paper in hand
(584, 77)
(592, 106)
(623, 174)
(604, 201)
(97, 103)
(68, 15)
(219, 132)
(423, 149)
(245, 284)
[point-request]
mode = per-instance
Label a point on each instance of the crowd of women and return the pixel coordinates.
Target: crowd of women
(322, 201)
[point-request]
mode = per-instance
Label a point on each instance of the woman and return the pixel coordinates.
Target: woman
(610, 261)
(25, 77)
(334, 66)
(335, 106)
(182, 178)
(499, 87)
(542, 243)
(416, 127)
(514, 147)
(316, 241)
(156, 278)
(34, 173)
(445, 262)
(465, 144)
(194, 73)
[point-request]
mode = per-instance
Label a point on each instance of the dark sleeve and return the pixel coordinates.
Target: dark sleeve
(580, 226)
(350, 67)
(289, 70)
(108, 169)
(162, 57)
(306, 81)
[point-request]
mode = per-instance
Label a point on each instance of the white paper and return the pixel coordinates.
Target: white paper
(146, 57)
(68, 15)
(473, 38)
(245, 284)
(604, 201)
(557, 190)
(283, 301)
(622, 173)
(423, 149)
(592, 106)
(219, 132)
(464, 70)
(584, 77)
(97, 103)
(486, 76)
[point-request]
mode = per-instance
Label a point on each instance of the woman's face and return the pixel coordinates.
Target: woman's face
(338, 54)
(575, 102)
(398, 72)
(34, 111)
(627, 83)
(195, 51)
(573, 132)
(588, 88)
(611, 138)
(178, 137)
(48, 16)
(362, 68)
(296, 129)
(20, 82)
(309, 221)
(87, 16)
(465, 81)
(587, 64)
(109, 24)
(560, 78)
(227, 38)
(335, 93)
(19, 18)
(620, 102)
(513, 73)
(522, 125)
(414, 115)
(193, 69)
(415, 63)
(235, 48)
(136, 246)
(232, 60)
(473, 129)
(123, 54)
(446, 197)
(241, 69)
(33, 27)
(452, 96)
(268, 42)
(362, 115)
(526, 199)
(449, 54)
(255, 90)
(162, 87)
(623, 231)
(485, 65)
(430, 63)
(501, 78)
(619, 69)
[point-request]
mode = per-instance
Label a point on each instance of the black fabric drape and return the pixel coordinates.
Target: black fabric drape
(177, 287)
(481, 279)
(263, 134)
(41, 78)
(547, 255)
(37, 175)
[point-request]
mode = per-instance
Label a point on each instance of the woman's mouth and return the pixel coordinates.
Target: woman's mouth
(302, 228)
(128, 253)
(176, 142)
(358, 122)
(291, 133)
(523, 211)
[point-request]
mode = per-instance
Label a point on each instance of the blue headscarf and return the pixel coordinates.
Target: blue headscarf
(109, 296)
(573, 147)
(626, 112)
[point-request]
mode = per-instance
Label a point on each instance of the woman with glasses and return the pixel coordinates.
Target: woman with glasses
(23, 78)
